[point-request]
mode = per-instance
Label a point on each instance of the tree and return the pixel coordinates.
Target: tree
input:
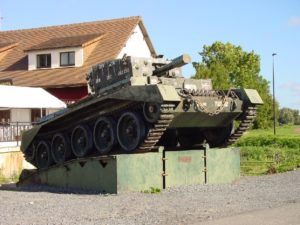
(286, 116)
(229, 66)
(296, 117)
(289, 116)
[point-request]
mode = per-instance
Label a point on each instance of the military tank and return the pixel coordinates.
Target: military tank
(136, 104)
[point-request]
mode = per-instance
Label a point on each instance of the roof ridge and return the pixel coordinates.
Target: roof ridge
(139, 18)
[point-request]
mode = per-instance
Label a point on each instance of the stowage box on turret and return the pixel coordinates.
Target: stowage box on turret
(137, 104)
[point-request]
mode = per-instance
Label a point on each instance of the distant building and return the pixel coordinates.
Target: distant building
(57, 58)
(20, 107)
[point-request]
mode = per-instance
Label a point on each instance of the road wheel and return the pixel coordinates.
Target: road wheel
(43, 155)
(81, 140)
(104, 134)
(130, 131)
(60, 148)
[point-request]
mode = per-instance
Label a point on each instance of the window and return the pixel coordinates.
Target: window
(44, 61)
(36, 114)
(67, 58)
(4, 117)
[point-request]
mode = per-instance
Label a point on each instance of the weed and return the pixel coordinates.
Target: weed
(152, 190)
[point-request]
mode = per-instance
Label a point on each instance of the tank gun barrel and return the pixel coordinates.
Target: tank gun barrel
(177, 62)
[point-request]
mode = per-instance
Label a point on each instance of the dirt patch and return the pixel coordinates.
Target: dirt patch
(297, 130)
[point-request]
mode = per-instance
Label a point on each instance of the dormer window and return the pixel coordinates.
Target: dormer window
(67, 58)
(43, 60)
(62, 51)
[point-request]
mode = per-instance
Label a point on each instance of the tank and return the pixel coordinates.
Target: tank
(137, 104)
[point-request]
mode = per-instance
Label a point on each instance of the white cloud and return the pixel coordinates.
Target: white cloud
(294, 88)
(295, 21)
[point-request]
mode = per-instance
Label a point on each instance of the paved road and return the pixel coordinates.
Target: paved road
(267, 200)
(285, 215)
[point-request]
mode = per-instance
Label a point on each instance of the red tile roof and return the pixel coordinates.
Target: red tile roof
(6, 46)
(109, 37)
(63, 42)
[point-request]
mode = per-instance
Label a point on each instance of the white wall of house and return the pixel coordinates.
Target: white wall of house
(24, 115)
(55, 57)
(49, 111)
(136, 45)
(20, 115)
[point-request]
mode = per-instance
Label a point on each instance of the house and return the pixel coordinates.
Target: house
(57, 58)
(22, 106)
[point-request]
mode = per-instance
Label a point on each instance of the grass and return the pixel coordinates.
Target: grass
(281, 131)
(262, 152)
(152, 190)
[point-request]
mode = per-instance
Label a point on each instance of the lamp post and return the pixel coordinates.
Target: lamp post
(274, 113)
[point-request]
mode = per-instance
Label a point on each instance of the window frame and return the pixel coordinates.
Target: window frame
(5, 116)
(68, 58)
(48, 64)
(37, 114)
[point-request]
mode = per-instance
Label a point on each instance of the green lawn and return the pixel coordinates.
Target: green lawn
(263, 152)
(280, 131)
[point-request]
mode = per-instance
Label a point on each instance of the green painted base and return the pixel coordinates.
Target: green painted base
(143, 171)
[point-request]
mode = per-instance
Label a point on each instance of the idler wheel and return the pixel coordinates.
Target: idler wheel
(151, 111)
(130, 131)
(104, 134)
(43, 155)
(218, 136)
(81, 140)
(60, 148)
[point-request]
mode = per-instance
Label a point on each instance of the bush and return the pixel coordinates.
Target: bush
(270, 141)
(282, 151)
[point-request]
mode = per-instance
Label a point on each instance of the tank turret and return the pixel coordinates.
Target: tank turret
(132, 71)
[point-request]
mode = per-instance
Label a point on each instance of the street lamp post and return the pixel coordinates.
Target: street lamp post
(274, 113)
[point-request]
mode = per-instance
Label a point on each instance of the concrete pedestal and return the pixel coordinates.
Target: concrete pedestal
(142, 171)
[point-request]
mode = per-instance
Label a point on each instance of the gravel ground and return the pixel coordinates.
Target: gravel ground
(180, 205)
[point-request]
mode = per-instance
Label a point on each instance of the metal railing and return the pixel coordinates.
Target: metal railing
(12, 131)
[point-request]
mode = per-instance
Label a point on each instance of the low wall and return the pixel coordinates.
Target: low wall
(141, 171)
(12, 162)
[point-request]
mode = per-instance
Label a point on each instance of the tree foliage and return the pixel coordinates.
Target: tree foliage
(289, 116)
(229, 66)
(296, 117)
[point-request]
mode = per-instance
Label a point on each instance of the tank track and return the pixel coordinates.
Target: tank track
(246, 122)
(158, 128)
(155, 132)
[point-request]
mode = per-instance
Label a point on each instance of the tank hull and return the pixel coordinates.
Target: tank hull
(137, 104)
(138, 118)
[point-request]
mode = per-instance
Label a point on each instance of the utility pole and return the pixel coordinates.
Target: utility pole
(274, 113)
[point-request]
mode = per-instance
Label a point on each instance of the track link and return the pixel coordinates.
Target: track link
(158, 128)
(246, 122)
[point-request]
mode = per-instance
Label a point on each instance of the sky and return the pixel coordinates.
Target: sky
(177, 27)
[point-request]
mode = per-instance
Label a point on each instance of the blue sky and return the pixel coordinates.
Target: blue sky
(177, 27)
